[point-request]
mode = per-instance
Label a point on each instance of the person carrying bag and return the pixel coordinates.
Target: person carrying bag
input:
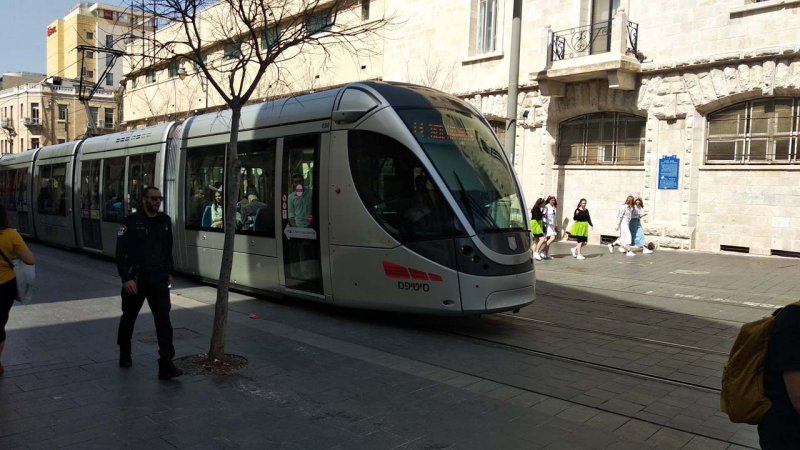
(11, 243)
(25, 275)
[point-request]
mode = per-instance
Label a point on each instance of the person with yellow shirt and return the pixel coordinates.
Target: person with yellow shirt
(11, 244)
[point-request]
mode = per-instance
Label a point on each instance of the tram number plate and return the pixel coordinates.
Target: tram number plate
(409, 286)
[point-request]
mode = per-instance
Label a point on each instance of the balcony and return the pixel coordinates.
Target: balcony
(32, 122)
(7, 123)
(605, 50)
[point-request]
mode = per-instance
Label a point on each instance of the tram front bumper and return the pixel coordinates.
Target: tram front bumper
(480, 295)
(511, 299)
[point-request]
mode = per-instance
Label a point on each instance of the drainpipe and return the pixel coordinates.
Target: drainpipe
(513, 81)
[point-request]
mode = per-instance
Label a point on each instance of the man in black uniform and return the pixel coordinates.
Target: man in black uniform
(144, 262)
(780, 427)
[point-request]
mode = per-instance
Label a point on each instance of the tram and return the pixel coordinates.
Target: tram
(373, 195)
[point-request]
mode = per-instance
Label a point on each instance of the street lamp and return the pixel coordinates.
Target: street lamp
(182, 74)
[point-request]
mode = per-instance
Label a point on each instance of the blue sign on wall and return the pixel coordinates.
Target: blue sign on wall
(668, 168)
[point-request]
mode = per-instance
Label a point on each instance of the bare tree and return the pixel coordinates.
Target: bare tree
(434, 73)
(236, 46)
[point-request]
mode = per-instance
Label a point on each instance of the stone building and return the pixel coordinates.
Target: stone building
(34, 115)
(695, 105)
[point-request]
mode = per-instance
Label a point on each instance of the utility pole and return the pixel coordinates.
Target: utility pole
(513, 81)
(114, 54)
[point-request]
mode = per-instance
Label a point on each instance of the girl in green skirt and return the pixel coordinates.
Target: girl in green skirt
(580, 228)
(537, 231)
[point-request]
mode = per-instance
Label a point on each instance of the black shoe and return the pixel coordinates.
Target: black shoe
(168, 371)
(125, 360)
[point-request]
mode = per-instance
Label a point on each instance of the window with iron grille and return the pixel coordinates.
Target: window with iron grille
(270, 38)
(319, 22)
(232, 51)
(762, 131)
(602, 138)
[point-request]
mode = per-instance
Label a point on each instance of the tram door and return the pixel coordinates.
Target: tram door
(300, 212)
(90, 204)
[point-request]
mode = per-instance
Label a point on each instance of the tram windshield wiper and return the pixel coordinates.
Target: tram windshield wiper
(473, 207)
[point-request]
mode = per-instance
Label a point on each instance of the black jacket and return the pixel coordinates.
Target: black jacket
(144, 245)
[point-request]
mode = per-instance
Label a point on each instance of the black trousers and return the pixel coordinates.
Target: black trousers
(779, 430)
(154, 288)
(8, 292)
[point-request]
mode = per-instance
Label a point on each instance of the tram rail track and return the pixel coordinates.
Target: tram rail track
(555, 356)
(766, 308)
(614, 335)
(594, 365)
(683, 370)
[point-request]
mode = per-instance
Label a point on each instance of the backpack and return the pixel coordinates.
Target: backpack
(742, 396)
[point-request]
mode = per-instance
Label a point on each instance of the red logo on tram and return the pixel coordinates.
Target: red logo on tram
(399, 272)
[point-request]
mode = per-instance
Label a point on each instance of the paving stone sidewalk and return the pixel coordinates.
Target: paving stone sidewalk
(300, 390)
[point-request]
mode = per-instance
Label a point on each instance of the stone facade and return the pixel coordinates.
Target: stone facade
(19, 133)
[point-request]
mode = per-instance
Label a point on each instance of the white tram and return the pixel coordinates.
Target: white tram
(373, 195)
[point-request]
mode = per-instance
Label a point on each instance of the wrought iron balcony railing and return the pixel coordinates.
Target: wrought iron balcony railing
(589, 40)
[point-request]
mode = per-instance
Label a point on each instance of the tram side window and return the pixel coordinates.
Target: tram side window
(90, 190)
(397, 191)
(140, 176)
(52, 192)
(113, 189)
(205, 168)
(22, 190)
(255, 212)
(8, 181)
(4, 187)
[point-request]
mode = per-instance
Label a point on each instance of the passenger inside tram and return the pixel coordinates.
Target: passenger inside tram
(249, 208)
(420, 216)
(197, 204)
(300, 201)
(217, 206)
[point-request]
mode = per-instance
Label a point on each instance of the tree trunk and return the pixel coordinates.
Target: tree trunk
(230, 193)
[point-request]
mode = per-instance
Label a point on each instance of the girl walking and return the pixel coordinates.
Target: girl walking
(550, 224)
(624, 227)
(580, 228)
(637, 232)
(537, 230)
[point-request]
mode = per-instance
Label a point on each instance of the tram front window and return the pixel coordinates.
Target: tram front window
(396, 191)
(469, 158)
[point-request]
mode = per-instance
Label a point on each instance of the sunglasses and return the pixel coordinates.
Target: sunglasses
(155, 199)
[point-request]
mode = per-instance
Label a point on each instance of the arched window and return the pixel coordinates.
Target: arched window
(602, 138)
(754, 132)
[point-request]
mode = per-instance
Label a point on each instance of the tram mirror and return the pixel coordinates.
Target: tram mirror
(347, 116)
